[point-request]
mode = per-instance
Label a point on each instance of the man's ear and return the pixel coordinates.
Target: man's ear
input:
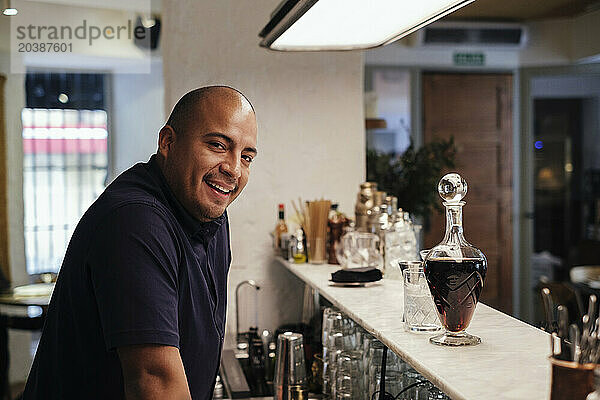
(166, 138)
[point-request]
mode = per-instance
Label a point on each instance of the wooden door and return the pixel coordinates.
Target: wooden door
(476, 109)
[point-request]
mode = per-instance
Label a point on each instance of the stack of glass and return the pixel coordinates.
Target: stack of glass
(341, 341)
(352, 360)
(400, 244)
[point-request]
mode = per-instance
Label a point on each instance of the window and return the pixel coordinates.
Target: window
(65, 164)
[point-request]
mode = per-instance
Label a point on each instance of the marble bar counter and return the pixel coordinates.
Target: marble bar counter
(510, 363)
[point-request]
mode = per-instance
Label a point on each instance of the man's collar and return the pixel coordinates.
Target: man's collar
(204, 231)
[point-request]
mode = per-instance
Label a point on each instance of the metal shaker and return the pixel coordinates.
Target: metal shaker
(290, 382)
(365, 202)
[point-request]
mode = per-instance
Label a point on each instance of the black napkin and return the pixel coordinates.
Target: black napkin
(366, 274)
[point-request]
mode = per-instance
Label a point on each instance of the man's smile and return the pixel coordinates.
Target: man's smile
(221, 188)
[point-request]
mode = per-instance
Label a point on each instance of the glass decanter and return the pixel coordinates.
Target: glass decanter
(455, 270)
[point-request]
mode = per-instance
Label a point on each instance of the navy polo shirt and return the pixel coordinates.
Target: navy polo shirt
(139, 269)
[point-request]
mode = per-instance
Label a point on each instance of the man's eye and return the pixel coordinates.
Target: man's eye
(248, 158)
(217, 145)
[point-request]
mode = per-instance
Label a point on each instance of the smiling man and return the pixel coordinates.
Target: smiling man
(138, 311)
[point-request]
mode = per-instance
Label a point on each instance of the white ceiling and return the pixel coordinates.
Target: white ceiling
(524, 10)
(504, 10)
(512, 10)
(127, 5)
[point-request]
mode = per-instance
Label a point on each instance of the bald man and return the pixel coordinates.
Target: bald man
(138, 311)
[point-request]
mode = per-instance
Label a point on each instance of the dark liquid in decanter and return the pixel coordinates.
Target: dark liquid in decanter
(455, 286)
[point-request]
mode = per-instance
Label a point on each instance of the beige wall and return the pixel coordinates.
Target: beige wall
(586, 36)
(311, 135)
(550, 42)
(14, 95)
(118, 51)
(14, 102)
(137, 114)
(562, 41)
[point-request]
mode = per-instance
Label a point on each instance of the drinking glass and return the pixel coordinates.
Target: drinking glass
(332, 324)
(436, 394)
(373, 349)
(393, 382)
(328, 313)
(349, 329)
(365, 357)
(405, 264)
(396, 272)
(341, 337)
(419, 392)
(348, 376)
(394, 369)
(335, 346)
(360, 334)
(316, 250)
(419, 309)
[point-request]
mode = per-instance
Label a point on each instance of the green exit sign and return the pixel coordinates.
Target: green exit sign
(469, 59)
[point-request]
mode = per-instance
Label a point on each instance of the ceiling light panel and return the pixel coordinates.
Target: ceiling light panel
(357, 24)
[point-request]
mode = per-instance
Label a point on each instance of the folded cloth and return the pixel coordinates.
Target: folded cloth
(366, 274)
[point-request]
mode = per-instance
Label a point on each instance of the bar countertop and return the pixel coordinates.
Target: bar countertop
(510, 363)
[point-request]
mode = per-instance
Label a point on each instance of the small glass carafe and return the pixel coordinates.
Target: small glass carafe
(455, 270)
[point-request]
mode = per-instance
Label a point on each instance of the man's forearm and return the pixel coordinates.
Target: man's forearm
(153, 372)
(153, 387)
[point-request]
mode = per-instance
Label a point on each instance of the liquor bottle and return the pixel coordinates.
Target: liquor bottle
(280, 227)
(298, 247)
(392, 208)
(335, 225)
(455, 270)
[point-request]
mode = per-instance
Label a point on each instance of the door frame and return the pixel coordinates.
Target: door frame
(526, 200)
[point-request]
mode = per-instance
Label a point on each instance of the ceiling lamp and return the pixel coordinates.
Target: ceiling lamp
(308, 25)
(7, 9)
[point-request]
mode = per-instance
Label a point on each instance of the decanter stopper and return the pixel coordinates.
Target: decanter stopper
(452, 188)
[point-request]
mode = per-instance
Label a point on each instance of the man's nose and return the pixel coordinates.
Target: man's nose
(232, 166)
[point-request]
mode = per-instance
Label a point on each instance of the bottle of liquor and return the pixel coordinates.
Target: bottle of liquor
(335, 225)
(298, 247)
(392, 208)
(281, 227)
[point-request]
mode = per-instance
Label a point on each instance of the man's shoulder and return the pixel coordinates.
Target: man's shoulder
(133, 197)
(137, 184)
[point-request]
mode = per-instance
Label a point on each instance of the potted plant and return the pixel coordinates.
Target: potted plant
(413, 175)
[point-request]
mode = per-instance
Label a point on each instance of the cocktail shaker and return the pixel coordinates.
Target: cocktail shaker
(290, 381)
(365, 202)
